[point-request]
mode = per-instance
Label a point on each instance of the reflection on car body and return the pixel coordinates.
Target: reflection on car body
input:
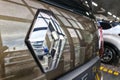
(111, 41)
(63, 41)
(47, 55)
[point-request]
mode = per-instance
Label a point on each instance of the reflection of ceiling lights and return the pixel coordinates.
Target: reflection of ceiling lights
(95, 4)
(109, 13)
(103, 10)
(118, 18)
(86, 2)
(114, 16)
(87, 13)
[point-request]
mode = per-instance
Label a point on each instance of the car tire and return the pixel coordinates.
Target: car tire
(110, 55)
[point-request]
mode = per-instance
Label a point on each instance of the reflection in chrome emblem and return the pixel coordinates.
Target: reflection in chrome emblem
(46, 40)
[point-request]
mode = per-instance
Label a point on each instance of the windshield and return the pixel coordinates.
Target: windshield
(105, 25)
(115, 23)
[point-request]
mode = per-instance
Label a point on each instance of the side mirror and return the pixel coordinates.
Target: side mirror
(45, 40)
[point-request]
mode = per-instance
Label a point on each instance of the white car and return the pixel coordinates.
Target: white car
(111, 37)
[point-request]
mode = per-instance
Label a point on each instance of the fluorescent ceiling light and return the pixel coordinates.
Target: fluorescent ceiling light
(102, 9)
(118, 18)
(95, 4)
(87, 13)
(109, 13)
(86, 2)
(114, 16)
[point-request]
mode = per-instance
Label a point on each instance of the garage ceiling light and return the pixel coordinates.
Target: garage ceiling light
(109, 13)
(118, 18)
(95, 4)
(114, 16)
(87, 13)
(102, 9)
(86, 2)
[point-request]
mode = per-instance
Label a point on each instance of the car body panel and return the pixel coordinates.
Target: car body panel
(113, 39)
(81, 43)
(82, 39)
(112, 36)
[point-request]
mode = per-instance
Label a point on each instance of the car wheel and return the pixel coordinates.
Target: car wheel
(109, 55)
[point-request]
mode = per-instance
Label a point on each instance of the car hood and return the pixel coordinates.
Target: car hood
(114, 30)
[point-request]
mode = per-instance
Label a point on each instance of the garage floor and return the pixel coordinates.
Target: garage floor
(110, 72)
(107, 76)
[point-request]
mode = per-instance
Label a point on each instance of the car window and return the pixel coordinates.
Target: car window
(105, 25)
(115, 23)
